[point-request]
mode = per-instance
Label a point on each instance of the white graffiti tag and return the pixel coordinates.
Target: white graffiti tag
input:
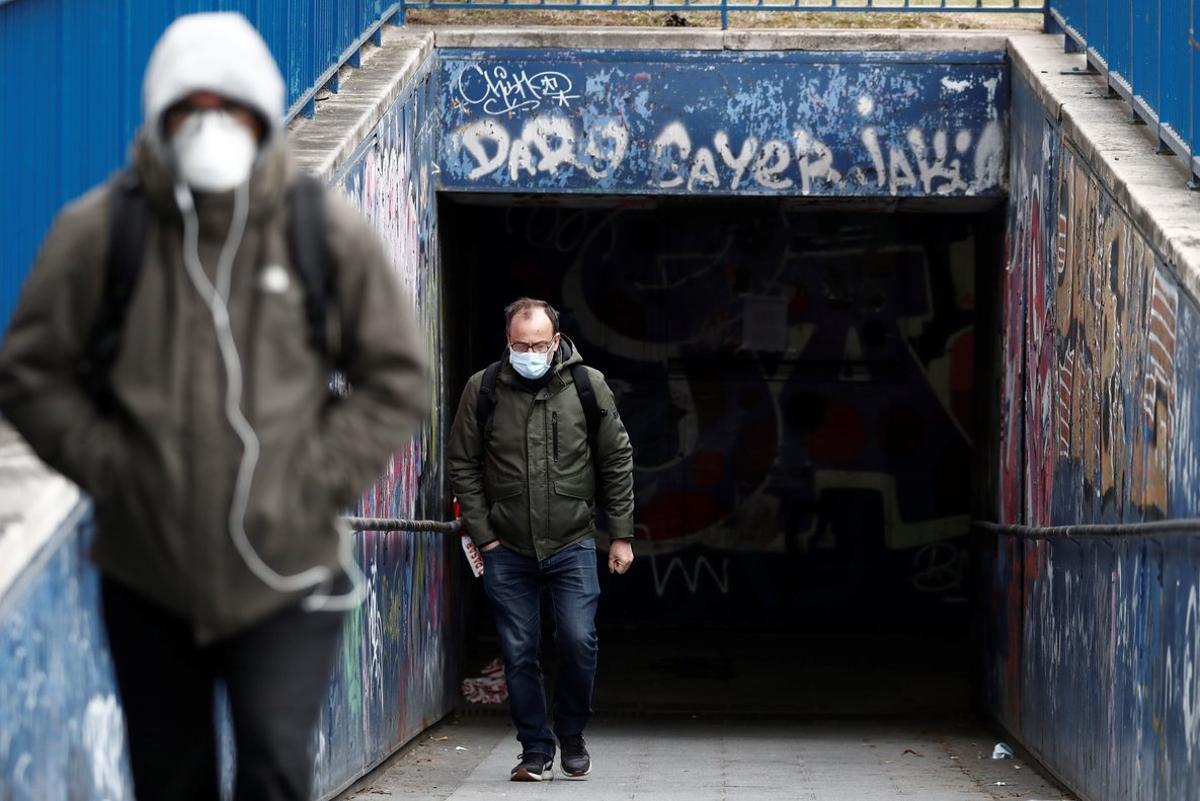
(546, 143)
(938, 163)
(500, 91)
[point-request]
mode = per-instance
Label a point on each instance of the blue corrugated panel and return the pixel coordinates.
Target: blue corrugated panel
(76, 68)
(1151, 52)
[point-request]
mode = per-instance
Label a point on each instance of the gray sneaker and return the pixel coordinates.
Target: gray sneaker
(533, 767)
(574, 759)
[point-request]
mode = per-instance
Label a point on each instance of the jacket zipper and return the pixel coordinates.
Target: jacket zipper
(554, 424)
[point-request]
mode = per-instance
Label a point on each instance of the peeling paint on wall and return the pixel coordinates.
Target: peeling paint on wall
(396, 672)
(696, 123)
(1100, 360)
(1089, 349)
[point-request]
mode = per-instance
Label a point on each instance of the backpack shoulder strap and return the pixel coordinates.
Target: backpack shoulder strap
(309, 253)
(587, 398)
(128, 221)
(485, 404)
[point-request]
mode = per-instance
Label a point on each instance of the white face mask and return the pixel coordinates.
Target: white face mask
(213, 151)
(530, 365)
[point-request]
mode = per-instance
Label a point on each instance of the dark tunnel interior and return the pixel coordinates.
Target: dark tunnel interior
(801, 386)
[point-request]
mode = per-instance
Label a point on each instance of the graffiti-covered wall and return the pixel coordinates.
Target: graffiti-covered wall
(397, 670)
(1099, 362)
(798, 388)
(61, 728)
(703, 123)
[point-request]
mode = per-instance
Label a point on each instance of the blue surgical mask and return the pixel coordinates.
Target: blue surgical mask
(530, 365)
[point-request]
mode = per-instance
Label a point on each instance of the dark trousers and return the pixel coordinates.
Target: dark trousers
(276, 676)
(514, 584)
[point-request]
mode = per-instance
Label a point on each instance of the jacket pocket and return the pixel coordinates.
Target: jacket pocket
(571, 511)
(507, 511)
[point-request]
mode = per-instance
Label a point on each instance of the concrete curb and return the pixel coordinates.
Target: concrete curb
(1150, 188)
(746, 39)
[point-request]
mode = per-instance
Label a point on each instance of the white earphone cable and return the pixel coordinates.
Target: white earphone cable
(216, 299)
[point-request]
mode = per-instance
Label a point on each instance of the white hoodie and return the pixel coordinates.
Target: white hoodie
(218, 52)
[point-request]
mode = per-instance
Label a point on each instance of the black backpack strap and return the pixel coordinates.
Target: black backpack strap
(309, 253)
(128, 221)
(485, 404)
(592, 412)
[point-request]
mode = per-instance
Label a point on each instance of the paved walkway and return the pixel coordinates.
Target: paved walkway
(714, 760)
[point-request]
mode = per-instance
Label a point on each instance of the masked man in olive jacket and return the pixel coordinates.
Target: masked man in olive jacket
(527, 480)
(216, 456)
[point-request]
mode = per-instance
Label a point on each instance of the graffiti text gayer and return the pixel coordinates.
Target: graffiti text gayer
(938, 162)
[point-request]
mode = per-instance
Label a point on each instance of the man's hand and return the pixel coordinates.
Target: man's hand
(620, 556)
(491, 546)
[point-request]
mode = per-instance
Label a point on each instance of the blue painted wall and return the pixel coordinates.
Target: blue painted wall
(62, 735)
(61, 732)
(704, 123)
(1099, 363)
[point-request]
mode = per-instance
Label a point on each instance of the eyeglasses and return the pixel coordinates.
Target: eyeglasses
(527, 347)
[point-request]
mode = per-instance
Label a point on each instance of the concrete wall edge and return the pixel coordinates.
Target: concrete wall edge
(35, 505)
(325, 143)
(1150, 188)
(613, 38)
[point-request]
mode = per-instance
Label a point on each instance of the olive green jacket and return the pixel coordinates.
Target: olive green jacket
(161, 469)
(534, 486)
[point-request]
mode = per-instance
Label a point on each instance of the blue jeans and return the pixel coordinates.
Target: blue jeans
(514, 585)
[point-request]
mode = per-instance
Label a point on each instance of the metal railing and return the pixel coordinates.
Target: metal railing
(77, 68)
(1148, 51)
(400, 524)
(725, 7)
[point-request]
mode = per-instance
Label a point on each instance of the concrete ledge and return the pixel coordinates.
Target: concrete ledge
(748, 39)
(866, 40)
(1151, 188)
(324, 143)
(35, 502)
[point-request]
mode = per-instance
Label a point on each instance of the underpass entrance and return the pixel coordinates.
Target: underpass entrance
(786, 265)
(800, 386)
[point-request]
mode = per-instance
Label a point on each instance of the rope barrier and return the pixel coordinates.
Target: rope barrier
(394, 524)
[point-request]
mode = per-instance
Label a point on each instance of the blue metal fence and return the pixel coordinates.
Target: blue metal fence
(74, 70)
(1149, 53)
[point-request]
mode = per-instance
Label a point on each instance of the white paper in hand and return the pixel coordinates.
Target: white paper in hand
(474, 558)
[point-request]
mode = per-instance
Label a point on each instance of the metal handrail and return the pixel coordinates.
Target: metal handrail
(1188, 527)
(399, 524)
